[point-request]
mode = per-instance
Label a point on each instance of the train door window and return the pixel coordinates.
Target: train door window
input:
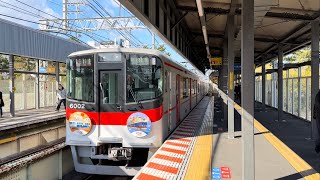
(194, 87)
(185, 88)
(109, 87)
(166, 81)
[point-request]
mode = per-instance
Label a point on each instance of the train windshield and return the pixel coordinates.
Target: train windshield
(144, 78)
(80, 78)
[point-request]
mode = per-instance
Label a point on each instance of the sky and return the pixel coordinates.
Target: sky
(36, 10)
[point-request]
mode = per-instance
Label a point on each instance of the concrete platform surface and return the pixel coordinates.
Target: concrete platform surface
(28, 117)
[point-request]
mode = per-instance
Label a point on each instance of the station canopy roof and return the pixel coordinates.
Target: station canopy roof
(276, 21)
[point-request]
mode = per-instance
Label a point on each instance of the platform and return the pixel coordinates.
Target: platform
(28, 117)
(200, 149)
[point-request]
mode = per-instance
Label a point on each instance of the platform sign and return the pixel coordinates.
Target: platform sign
(225, 172)
(216, 174)
(42, 70)
(220, 173)
(231, 83)
(237, 67)
(216, 61)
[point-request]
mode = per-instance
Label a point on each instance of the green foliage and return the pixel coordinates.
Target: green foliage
(4, 62)
(26, 64)
(75, 39)
(299, 56)
(161, 48)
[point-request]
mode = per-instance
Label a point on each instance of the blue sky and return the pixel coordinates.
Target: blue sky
(35, 10)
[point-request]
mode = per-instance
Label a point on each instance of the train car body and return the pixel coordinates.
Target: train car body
(122, 104)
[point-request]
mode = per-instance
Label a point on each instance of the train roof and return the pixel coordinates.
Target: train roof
(160, 54)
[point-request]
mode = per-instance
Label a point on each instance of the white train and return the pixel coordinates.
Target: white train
(122, 104)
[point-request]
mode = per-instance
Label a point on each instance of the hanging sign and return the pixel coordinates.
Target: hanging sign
(216, 61)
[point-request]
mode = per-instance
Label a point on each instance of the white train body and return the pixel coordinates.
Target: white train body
(122, 104)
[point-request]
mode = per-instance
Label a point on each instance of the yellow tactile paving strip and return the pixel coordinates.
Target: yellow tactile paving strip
(296, 161)
(200, 163)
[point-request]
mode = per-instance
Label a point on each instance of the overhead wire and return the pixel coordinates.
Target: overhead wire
(60, 18)
(108, 14)
(128, 13)
(24, 11)
(92, 6)
(33, 22)
(101, 15)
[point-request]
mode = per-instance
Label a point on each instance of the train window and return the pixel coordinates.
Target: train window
(80, 78)
(185, 88)
(166, 81)
(109, 87)
(193, 90)
(144, 78)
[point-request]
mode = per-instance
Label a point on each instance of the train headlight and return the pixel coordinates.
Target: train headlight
(139, 124)
(80, 123)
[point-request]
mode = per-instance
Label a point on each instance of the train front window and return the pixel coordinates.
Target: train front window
(80, 78)
(144, 78)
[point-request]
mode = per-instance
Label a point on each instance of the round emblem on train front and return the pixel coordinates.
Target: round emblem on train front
(139, 124)
(80, 123)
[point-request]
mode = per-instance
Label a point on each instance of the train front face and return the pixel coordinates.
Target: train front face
(114, 111)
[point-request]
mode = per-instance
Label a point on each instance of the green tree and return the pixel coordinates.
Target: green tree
(75, 39)
(4, 62)
(161, 48)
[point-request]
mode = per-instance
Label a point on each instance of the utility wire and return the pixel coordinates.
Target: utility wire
(108, 14)
(101, 15)
(33, 22)
(60, 18)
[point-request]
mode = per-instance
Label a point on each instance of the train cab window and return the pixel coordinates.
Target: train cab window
(80, 78)
(144, 78)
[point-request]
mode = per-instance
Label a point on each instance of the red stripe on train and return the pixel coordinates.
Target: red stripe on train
(117, 118)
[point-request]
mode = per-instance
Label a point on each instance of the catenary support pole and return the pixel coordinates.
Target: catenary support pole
(263, 89)
(37, 86)
(247, 88)
(280, 82)
(314, 72)
(11, 85)
(225, 78)
(230, 26)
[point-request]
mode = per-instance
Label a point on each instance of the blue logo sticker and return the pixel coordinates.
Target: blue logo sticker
(139, 124)
(216, 174)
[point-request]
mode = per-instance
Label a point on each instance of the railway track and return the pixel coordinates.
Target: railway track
(24, 158)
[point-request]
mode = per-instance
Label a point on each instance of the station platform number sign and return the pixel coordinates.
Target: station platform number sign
(220, 173)
(216, 61)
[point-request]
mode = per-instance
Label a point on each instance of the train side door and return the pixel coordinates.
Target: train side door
(190, 91)
(110, 95)
(169, 86)
(178, 98)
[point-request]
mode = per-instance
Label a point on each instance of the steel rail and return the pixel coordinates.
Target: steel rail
(24, 158)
